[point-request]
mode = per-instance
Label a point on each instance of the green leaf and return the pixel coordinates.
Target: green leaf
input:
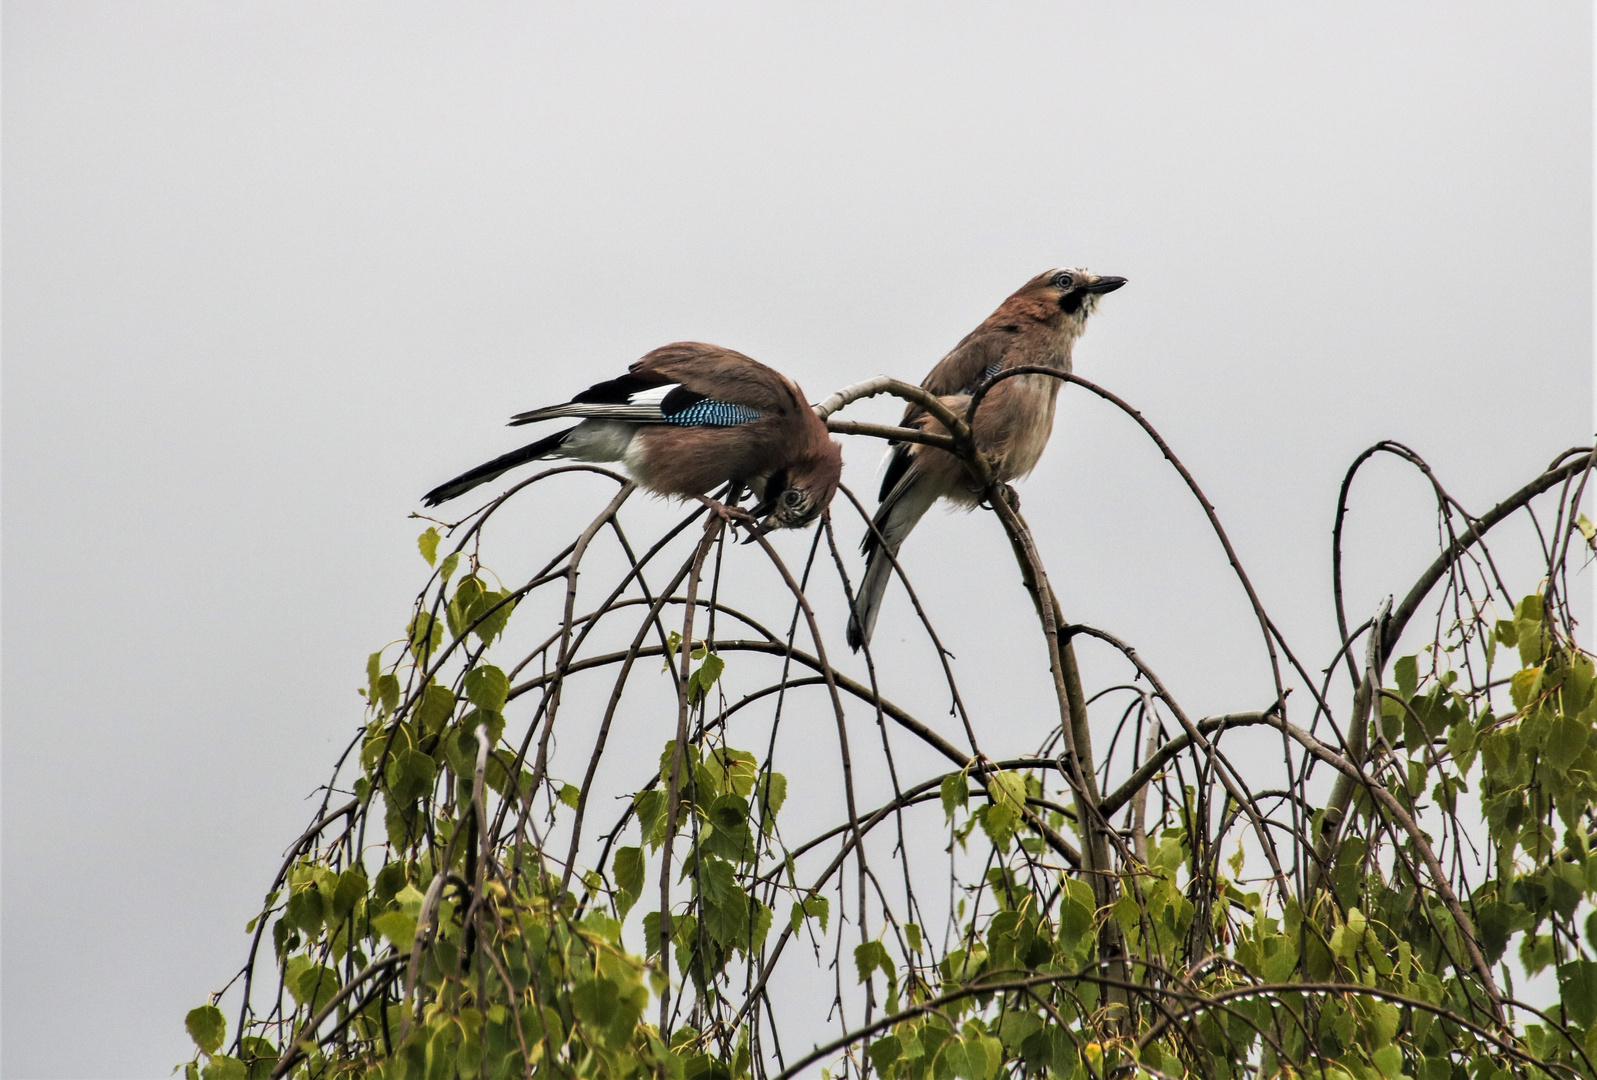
(912, 933)
(315, 987)
(492, 614)
(1387, 1017)
(1280, 959)
(487, 687)
(736, 770)
(1565, 741)
(305, 908)
(1075, 922)
(482, 610)
(1016, 1027)
(773, 793)
(434, 709)
(570, 794)
(1566, 884)
(956, 793)
(1405, 670)
(443, 1049)
(349, 891)
(595, 1001)
(1461, 744)
(259, 1055)
(390, 879)
(956, 1058)
(224, 1068)
(467, 593)
(704, 676)
(388, 692)
(884, 1052)
(1577, 983)
(1529, 620)
(811, 907)
(871, 956)
(650, 807)
(1006, 793)
(397, 927)
(628, 868)
(374, 671)
(1535, 952)
(428, 543)
(207, 1027)
(690, 763)
(759, 927)
(1524, 685)
(410, 774)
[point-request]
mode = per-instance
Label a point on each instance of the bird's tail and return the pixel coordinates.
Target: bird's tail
(898, 514)
(545, 447)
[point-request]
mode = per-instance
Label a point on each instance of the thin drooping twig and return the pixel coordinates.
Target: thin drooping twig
(1165, 775)
(1473, 535)
(712, 529)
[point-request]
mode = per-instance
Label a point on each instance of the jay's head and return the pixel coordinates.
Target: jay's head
(798, 494)
(1070, 293)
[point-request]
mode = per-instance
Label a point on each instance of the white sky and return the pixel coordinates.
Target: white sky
(272, 271)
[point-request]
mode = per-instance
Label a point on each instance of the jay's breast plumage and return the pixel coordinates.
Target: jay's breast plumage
(1012, 427)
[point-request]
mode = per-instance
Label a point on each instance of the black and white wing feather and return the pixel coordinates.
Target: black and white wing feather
(640, 401)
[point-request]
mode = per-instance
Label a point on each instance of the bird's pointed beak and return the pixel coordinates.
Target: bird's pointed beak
(762, 528)
(1107, 283)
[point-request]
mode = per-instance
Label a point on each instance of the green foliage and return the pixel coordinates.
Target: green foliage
(437, 928)
(207, 1027)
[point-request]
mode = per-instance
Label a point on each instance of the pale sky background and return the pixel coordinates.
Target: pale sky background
(273, 270)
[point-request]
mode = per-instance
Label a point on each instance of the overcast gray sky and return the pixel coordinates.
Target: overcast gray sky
(273, 270)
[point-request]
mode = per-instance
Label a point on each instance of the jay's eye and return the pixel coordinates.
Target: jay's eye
(792, 497)
(1063, 281)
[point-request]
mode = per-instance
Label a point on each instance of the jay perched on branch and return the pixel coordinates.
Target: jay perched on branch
(1037, 326)
(684, 420)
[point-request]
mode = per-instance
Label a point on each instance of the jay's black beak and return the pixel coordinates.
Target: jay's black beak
(1104, 284)
(763, 527)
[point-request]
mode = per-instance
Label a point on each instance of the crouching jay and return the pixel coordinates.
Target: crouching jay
(684, 420)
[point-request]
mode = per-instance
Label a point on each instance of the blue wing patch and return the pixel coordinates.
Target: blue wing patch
(707, 412)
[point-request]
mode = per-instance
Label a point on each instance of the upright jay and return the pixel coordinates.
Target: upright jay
(1037, 326)
(684, 420)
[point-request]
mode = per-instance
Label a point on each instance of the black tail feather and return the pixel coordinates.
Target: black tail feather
(489, 470)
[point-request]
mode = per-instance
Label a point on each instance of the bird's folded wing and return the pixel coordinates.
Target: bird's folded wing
(689, 384)
(722, 375)
(973, 361)
(667, 403)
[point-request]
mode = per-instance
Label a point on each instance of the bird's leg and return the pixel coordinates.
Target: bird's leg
(1008, 493)
(729, 514)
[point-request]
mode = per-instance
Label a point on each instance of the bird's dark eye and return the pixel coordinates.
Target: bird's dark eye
(1063, 281)
(792, 497)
